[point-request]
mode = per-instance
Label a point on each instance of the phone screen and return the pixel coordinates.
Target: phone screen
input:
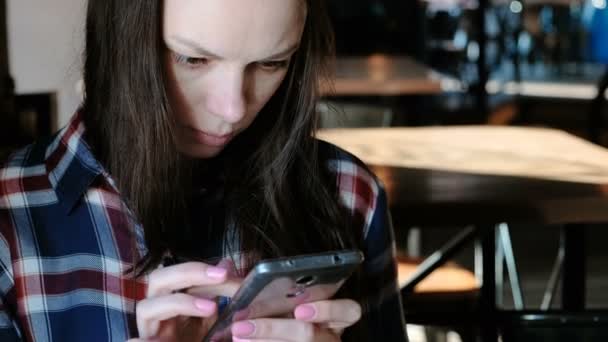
(276, 287)
(281, 296)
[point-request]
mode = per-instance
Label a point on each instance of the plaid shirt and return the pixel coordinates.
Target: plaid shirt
(66, 242)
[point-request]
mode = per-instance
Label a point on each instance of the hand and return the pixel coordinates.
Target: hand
(180, 304)
(322, 321)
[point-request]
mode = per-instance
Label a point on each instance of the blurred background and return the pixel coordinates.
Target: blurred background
(543, 58)
(400, 63)
(519, 63)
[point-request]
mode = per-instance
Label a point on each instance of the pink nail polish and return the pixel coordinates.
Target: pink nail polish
(205, 306)
(216, 272)
(305, 312)
(227, 264)
(236, 339)
(243, 329)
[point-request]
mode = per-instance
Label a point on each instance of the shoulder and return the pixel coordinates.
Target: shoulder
(347, 167)
(24, 172)
(359, 189)
(17, 176)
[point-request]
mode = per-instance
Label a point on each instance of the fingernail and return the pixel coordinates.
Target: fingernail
(205, 305)
(236, 339)
(216, 272)
(228, 265)
(243, 329)
(305, 312)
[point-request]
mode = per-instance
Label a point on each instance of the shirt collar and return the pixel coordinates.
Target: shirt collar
(70, 164)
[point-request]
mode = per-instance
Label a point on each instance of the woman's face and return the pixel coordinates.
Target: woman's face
(225, 59)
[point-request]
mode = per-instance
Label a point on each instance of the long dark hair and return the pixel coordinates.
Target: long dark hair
(274, 193)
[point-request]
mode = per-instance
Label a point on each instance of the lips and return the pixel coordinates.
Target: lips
(210, 139)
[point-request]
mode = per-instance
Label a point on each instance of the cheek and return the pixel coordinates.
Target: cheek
(176, 87)
(265, 88)
(189, 99)
(186, 97)
(187, 92)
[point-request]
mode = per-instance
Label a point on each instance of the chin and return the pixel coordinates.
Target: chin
(200, 151)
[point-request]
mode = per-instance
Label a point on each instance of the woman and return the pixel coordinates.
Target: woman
(193, 151)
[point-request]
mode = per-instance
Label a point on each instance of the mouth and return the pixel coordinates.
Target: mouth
(210, 139)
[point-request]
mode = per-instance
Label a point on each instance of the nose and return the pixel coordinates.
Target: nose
(228, 97)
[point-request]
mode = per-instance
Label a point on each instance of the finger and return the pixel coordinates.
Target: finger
(152, 311)
(228, 264)
(228, 288)
(275, 329)
(336, 314)
(169, 279)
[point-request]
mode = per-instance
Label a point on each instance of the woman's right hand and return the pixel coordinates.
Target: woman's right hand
(180, 303)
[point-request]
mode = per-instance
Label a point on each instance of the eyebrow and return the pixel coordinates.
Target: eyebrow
(202, 51)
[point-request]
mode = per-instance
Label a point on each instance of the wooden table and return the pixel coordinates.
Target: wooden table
(515, 174)
(382, 75)
(547, 89)
(473, 4)
(485, 175)
(486, 150)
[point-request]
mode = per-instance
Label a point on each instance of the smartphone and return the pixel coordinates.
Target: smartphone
(276, 286)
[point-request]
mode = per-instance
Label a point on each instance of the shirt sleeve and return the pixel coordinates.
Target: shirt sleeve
(8, 332)
(384, 312)
(8, 326)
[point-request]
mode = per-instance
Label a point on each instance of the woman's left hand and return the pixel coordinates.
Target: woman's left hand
(322, 321)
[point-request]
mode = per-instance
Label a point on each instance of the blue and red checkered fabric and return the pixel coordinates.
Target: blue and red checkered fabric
(66, 242)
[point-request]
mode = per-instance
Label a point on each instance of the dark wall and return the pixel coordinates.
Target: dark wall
(364, 27)
(7, 111)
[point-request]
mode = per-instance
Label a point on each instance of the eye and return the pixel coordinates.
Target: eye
(189, 61)
(274, 65)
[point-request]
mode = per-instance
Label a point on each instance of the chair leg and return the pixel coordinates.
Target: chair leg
(500, 272)
(554, 278)
(507, 249)
(414, 242)
(439, 257)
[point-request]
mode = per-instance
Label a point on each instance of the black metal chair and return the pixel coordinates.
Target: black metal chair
(448, 296)
(444, 301)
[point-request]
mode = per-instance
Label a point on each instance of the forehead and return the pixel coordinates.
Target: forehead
(236, 29)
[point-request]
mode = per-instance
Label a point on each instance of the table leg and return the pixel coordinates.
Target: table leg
(488, 312)
(573, 290)
(596, 119)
